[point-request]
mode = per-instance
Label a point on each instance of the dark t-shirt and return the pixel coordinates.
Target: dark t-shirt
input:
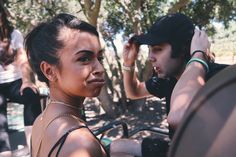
(163, 88)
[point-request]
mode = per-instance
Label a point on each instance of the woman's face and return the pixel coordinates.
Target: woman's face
(80, 72)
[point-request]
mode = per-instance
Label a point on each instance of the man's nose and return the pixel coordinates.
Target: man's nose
(151, 58)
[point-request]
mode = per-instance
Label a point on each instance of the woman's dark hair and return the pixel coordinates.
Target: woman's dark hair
(7, 55)
(42, 43)
(6, 28)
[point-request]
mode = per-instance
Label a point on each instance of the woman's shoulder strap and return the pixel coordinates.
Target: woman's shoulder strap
(62, 140)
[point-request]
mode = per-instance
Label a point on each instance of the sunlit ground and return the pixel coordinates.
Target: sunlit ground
(15, 116)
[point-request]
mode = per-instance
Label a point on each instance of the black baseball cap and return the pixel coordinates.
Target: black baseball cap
(170, 28)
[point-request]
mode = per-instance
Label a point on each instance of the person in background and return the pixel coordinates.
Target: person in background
(66, 53)
(169, 40)
(15, 82)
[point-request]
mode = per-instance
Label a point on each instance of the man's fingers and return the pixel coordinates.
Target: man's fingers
(21, 91)
(35, 90)
(197, 32)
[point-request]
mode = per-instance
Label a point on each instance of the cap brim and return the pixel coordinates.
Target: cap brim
(148, 39)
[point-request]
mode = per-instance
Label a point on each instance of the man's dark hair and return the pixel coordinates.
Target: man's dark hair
(175, 29)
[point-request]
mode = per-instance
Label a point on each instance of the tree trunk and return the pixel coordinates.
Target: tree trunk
(107, 103)
(121, 84)
(91, 10)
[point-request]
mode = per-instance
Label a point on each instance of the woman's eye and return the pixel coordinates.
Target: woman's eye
(84, 59)
(100, 58)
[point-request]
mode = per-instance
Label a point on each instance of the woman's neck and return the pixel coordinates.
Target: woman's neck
(58, 96)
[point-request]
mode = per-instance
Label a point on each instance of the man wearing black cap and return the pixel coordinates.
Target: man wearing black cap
(169, 41)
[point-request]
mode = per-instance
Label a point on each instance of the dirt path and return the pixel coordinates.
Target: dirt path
(153, 114)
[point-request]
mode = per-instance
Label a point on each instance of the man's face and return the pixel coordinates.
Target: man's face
(162, 62)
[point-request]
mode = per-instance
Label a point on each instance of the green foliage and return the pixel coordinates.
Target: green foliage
(25, 13)
(205, 12)
(118, 19)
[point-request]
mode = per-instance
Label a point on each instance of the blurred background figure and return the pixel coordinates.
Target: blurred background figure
(15, 81)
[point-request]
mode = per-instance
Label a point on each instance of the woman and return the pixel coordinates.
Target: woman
(15, 81)
(66, 54)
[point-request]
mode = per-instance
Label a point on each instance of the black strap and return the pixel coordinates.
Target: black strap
(106, 149)
(62, 140)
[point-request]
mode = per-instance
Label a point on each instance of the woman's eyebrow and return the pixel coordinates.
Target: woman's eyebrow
(101, 51)
(90, 52)
(85, 51)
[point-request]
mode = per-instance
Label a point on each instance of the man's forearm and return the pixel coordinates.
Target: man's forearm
(130, 84)
(24, 66)
(133, 87)
(26, 72)
(186, 88)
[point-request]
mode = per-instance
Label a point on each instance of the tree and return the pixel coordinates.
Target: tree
(25, 14)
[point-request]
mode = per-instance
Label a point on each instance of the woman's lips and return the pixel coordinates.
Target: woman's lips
(97, 82)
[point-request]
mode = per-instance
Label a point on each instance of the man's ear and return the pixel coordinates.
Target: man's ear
(49, 71)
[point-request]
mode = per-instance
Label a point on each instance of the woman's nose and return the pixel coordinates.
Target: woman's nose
(98, 69)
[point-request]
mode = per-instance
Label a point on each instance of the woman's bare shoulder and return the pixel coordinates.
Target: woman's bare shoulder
(82, 142)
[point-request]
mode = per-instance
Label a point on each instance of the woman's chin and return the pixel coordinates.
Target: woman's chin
(96, 92)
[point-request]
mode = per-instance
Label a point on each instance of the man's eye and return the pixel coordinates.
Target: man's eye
(157, 49)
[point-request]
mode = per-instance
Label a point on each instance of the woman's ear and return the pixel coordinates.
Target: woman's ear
(49, 71)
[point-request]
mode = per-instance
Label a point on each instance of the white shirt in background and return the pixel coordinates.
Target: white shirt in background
(12, 72)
